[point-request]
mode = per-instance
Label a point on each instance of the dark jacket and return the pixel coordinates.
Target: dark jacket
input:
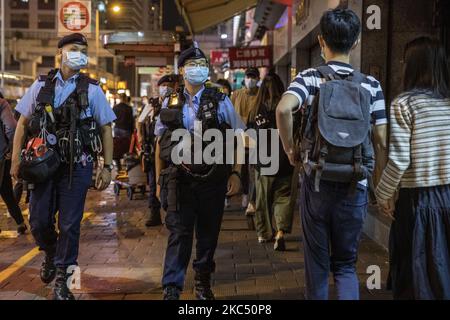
(7, 127)
(125, 118)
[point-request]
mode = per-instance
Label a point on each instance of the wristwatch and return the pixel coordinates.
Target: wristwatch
(108, 167)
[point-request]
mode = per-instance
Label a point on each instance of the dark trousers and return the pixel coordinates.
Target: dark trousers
(200, 206)
(7, 193)
(153, 202)
(55, 196)
(332, 221)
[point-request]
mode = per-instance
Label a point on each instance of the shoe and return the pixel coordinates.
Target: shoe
(22, 228)
(262, 240)
(244, 202)
(203, 287)
(48, 269)
(280, 244)
(61, 291)
(171, 293)
(250, 209)
(154, 220)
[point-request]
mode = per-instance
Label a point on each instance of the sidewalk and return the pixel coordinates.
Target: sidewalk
(122, 259)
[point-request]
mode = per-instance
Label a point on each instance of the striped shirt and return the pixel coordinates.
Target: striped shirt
(419, 147)
(307, 84)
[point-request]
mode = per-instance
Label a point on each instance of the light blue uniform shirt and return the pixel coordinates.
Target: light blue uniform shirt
(225, 112)
(98, 108)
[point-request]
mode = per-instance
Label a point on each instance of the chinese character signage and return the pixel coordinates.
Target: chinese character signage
(250, 57)
(218, 57)
(74, 16)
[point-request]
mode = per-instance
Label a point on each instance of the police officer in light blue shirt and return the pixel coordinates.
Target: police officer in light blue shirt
(67, 114)
(193, 195)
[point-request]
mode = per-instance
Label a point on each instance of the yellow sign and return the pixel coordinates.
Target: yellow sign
(121, 85)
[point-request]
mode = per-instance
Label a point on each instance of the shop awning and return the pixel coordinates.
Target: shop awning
(141, 44)
(202, 14)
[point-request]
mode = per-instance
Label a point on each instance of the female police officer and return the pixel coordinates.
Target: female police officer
(199, 198)
(64, 109)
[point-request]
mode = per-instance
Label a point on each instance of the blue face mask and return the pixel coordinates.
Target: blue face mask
(75, 60)
(196, 75)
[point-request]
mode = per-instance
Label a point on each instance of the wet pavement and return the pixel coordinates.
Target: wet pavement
(120, 258)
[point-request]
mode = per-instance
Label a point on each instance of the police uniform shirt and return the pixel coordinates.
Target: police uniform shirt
(225, 112)
(98, 108)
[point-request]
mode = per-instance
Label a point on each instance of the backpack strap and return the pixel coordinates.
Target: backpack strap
(357, 77)
(320, 166)
(327, 72)
(357, 168)
(82, 90)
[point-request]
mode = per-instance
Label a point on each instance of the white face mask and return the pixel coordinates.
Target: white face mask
(250, 83)
(76, 60)
(163, 91)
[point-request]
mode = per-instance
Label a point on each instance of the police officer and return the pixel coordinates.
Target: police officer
(193, 196)
(146, 132)
(65, 111)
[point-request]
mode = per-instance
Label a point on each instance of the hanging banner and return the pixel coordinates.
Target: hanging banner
(74, 16)
(247, 57)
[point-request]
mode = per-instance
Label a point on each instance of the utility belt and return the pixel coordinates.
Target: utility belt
(173, 176)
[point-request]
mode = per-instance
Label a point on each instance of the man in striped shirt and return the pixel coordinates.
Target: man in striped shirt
(332, 219)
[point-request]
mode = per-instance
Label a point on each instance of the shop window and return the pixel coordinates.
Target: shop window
(46, 21)
(19, 4)
(46, 4)
(19, 20)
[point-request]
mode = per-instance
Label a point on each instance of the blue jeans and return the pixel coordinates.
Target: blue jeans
(332, 222)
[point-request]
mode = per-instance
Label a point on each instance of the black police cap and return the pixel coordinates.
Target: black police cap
(252, 72)
(193, 52)
(171, 78)
(77, 38)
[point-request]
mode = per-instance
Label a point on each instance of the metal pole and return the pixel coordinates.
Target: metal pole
(3, 43)
(97, 41)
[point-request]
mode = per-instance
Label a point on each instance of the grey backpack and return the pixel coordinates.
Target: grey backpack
(335, 133)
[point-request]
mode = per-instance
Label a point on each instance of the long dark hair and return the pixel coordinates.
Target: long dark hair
(426, 68)
(269, 93)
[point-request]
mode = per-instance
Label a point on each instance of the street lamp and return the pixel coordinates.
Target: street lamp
(116, 8)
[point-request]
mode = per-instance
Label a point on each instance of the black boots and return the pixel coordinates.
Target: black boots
(22, 229)
(48, 269)
(171, 293)
(203, 287)
(154, 219)
(61, 291)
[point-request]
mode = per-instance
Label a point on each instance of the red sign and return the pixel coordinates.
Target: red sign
(250, 57)
(74, 16)
(218, 57)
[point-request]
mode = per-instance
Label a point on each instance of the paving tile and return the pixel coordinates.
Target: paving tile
(121, 259)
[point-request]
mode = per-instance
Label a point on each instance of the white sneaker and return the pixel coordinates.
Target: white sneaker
(244, 203)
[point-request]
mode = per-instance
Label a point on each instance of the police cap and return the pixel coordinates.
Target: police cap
(171, 78)
(193, 52)
(77, 38)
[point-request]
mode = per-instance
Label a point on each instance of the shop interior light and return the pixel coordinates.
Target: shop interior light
(223, 36)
